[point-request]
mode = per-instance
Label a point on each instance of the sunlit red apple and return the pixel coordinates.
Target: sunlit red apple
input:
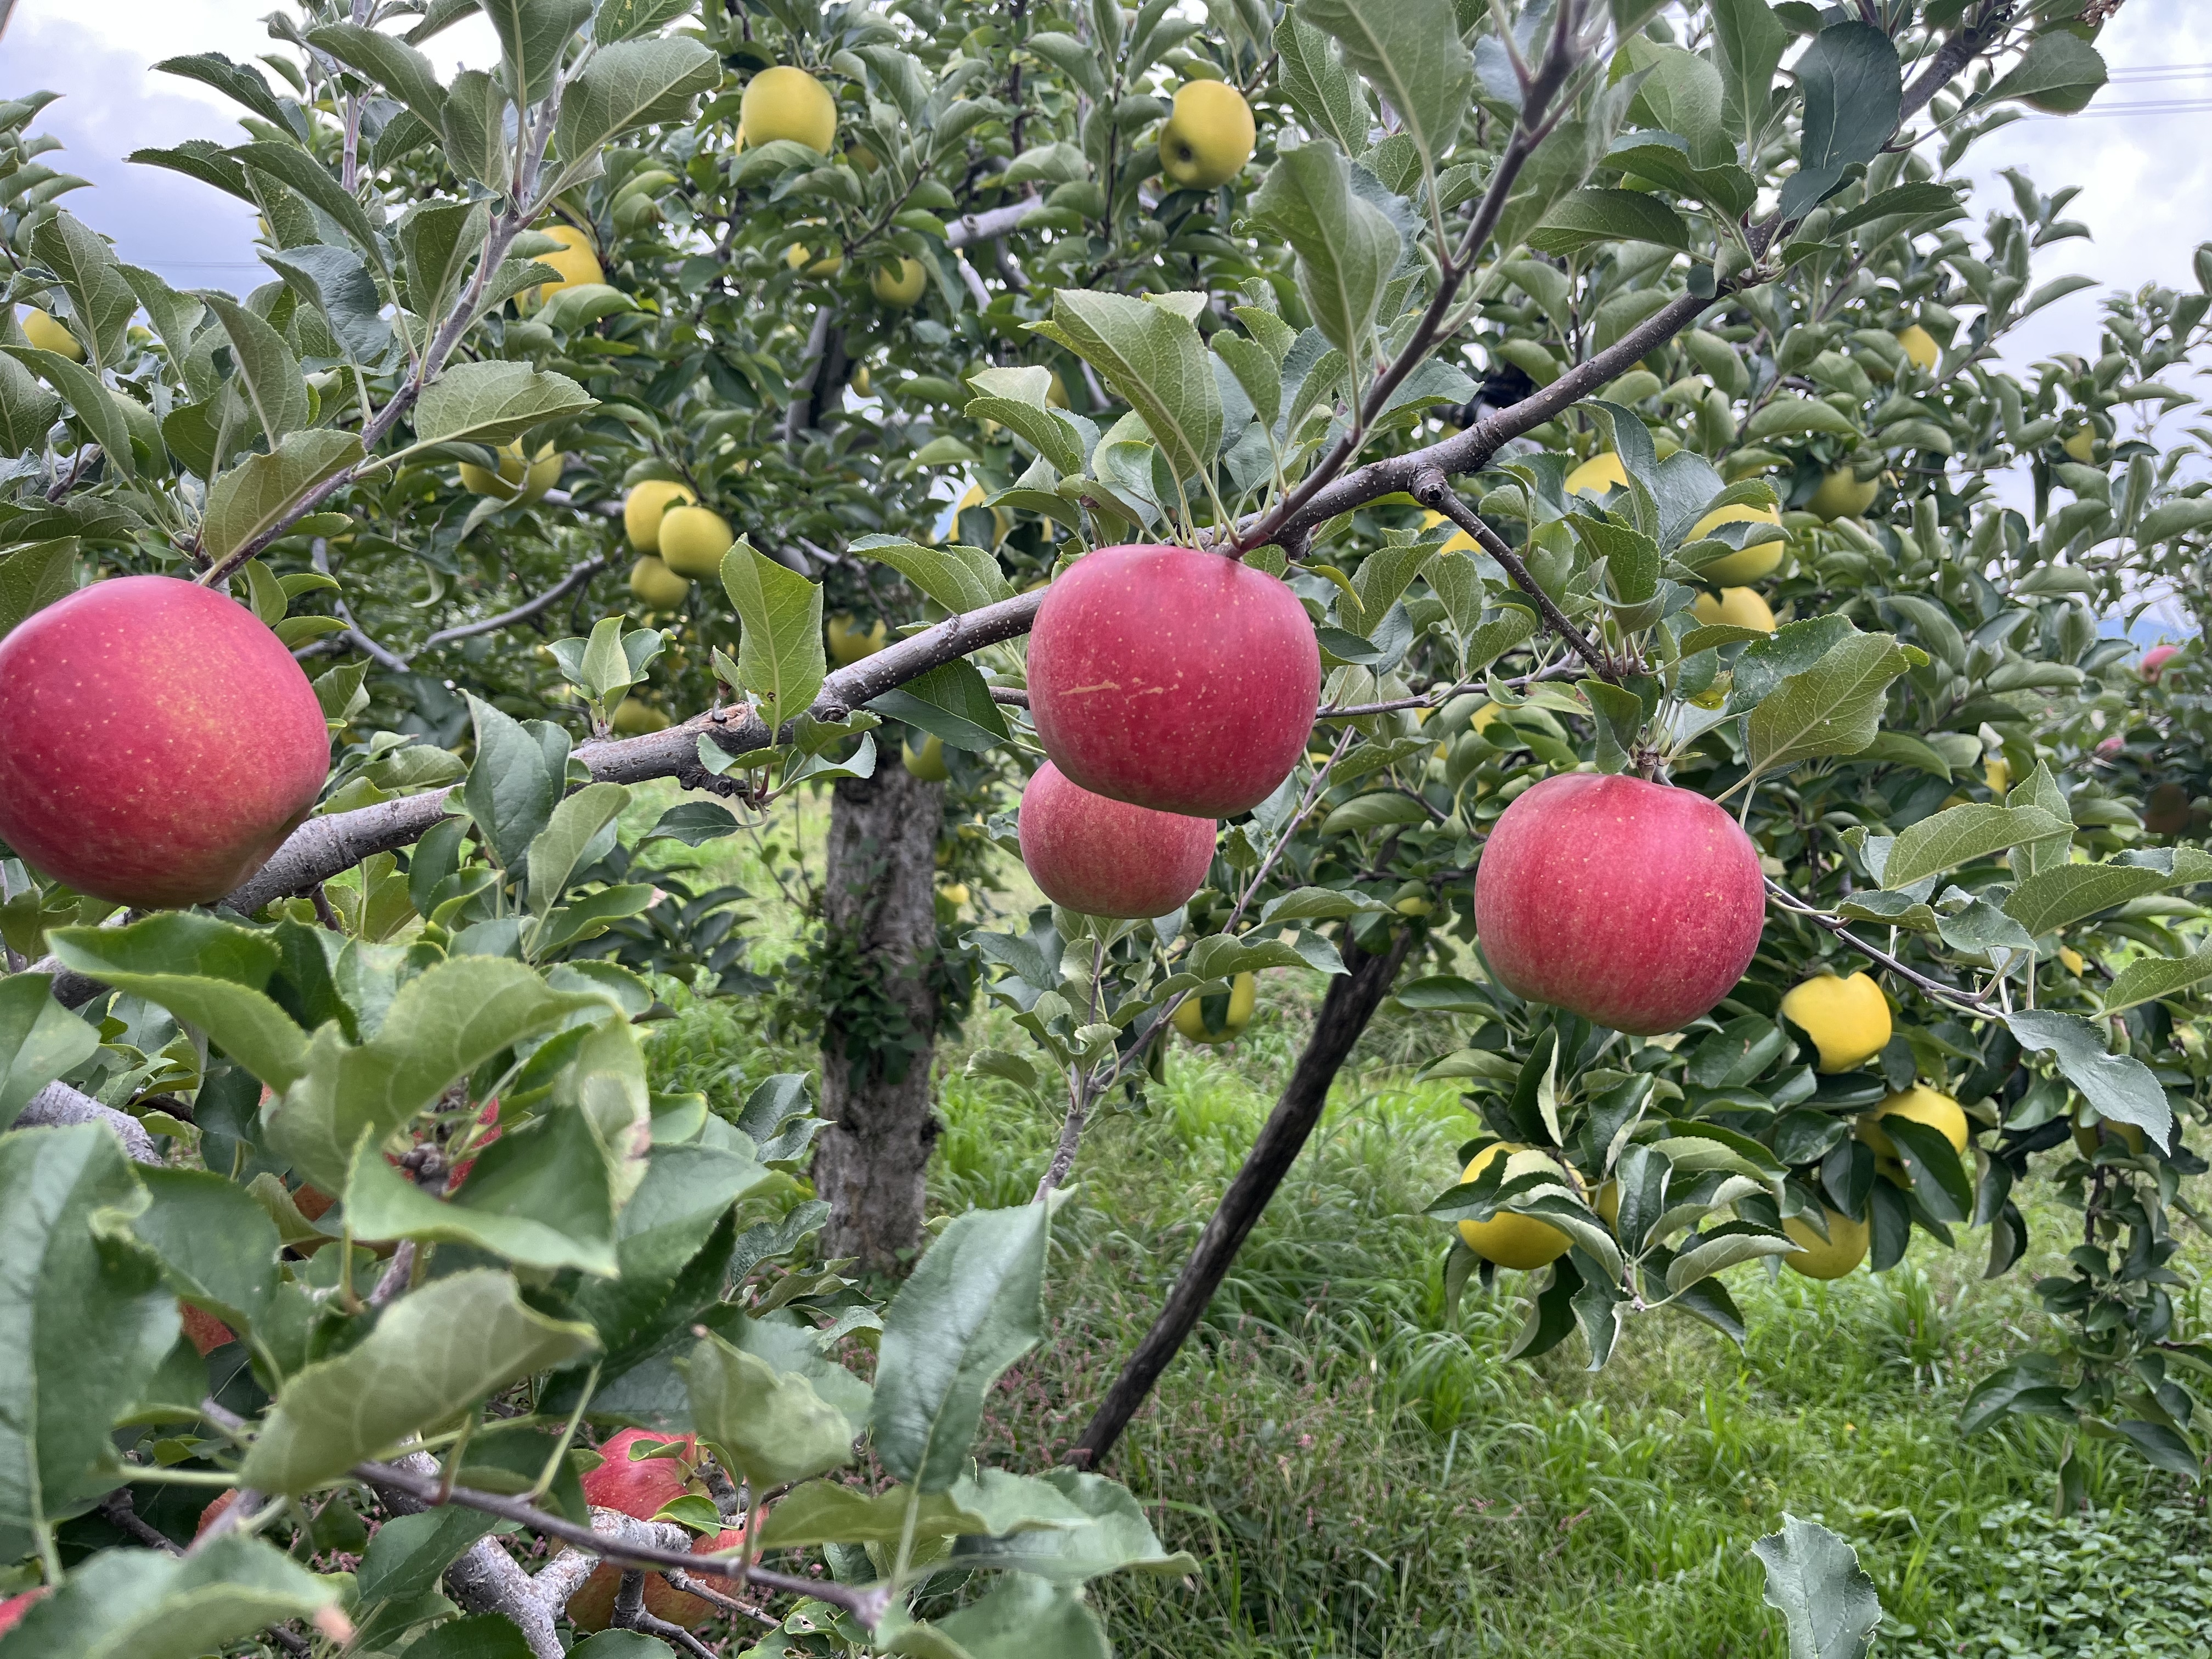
(1105, 857)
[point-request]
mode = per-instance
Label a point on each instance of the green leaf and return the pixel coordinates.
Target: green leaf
(1325, 94)
(538, 1196)
(1905, 201)
(514, 780)
(1813, 1579)
(1721, 1250)
(953, 702)
(1750, 42)
(1961, 834)
(438, 241)
(266, 366)
(240, 81)
(337, 282)
(825, 1512)
(958, 578)
(579, 832)
(769, 1425)
(390, 62)
(2060, 67)
(1048, 432)
(251, 500)
(206, 972)
(216, 1245)
(1347, 247)
(2120, 1086)
(26, 409)
(619, 20)
(1379, 811)
(295, 167)
(1021, 1618)
(40, 1040)
(84, 1321)
(2067, 893)
(1834, 708)
(630, 83)
(492, 403)
(408, 1552)
(2149, 978)
(533, 35)
(1411, 53)
(1118, 1538)
(1683, 94)
(144, 1604)
(1787, 415)
(974, 1306)
(781, 659)
(1853, 89)
(1154, 359)
(474, 129)
(436, 1350)
(88, 400)
(1594, 215)
(102, 301)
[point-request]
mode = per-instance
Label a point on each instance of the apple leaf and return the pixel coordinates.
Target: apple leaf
(1152, 357)
(628, 84)
(958, 578)
(781, 658)
(251, 500)
(493, 402)
(88, 400)
(1411, 51)
(101, 302)
(1961, 834)
(1347, 247)
(1833, 707)
(147, 1604)
(1813, 1579)
(2120, 1086)
(769, 1424)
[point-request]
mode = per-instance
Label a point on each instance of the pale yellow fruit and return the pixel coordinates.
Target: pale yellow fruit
(784, 102)
(1919, 1104)
(1597, 475)
(1844, 494)
(799, 257)
(955, 895)
(1001, 524)
(903, 291)
(693, 540)
(516, 479)
(1055, 395)
(2081, 446)
(1190, 1019)
(847, 644)
(1920, 347)
(2085, 1135)
(927, 762)
(576, 261)
(633, 718)
(1996, 772)
(648, 500)
(49, 334)
(1737, 606)
(655, 585)
(1209, 138)
(1460, 541)
(1751, 564)
(1847, 1019)
(1513, 1241)
(1607, 1204)
(862, 382)
(1832, 1257)
(2073, 962)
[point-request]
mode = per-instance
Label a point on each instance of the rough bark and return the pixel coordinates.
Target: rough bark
(1350, 1003)
(879, 917)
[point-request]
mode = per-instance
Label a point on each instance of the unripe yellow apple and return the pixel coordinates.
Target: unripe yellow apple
(1844, 494)
(2082, 444)
(799, 257)
(1996, 772)
(1608, 1205)
(1190, 1017)
(1000, 523)
(49, 334)
(1832, 1257)
(2085, 1135)
(955, 895)
(633, 718)
(1513, 1241)
(1919, 1104)
(576, 261)
(1597, 475)
(655, 585)
(862, 381)
(644, 507)
(1208, 139)
(516, 480)
(1751, 564)
(902, 291)
(1920, 347)
(2073, 962)
(1847, 1019)
(847, 644)
(693, 540)
(927, 762)
(1055, 395)
(784, 102)
(1737, 606)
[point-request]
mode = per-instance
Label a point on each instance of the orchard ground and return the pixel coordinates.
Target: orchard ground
(1360, 1473)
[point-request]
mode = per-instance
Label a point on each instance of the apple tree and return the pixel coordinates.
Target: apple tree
(1524, 329)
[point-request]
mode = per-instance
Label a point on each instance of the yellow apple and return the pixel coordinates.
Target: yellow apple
(1190, 1017)
(576, 261)
(1832, 1257)
(49, 334)
(516, 479)
(904, 291)
(1920, 347)
(785, 102)
(1739, 607)
(1208, 139)
(1844, 494)
(1513, 1241)
(1847, 1019)
(693, 540)
(648, 500)
(847, 644)
(655, 585)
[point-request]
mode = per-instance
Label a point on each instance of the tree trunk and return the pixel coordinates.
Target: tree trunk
(879, 1038)
(1351, 1001)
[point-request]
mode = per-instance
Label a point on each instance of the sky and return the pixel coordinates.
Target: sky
(2143, 155)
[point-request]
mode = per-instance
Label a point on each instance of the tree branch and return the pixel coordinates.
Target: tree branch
(579, 574)
(57, 1104)
(1433, 490)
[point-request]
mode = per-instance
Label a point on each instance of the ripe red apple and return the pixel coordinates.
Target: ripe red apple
(1633, 905)
(1105, 857)
(157, 742)
(1178, 680)
(643, 1486)
(213, 1512)
(13, 1609)
(2156, 659)
(593, 1607)
(206, 1331)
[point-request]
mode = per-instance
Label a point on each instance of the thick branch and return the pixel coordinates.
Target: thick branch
(58, 1103)
(1951, 57)
(579, 574)
(1350, 1003)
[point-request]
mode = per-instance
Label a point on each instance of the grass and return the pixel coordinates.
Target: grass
(1359, 1473)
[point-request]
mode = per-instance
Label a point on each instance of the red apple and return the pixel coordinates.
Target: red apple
(1107, 858)
(1635, 905)
(13, 1609)
(593, 1607)
(2156, 659)
(643, 1486)
(206, 1331)
(213, 1512)
(157, 742)
(1178, 680)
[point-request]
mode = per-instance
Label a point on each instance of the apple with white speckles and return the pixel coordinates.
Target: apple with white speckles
(157, 742)
(1182, 681)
